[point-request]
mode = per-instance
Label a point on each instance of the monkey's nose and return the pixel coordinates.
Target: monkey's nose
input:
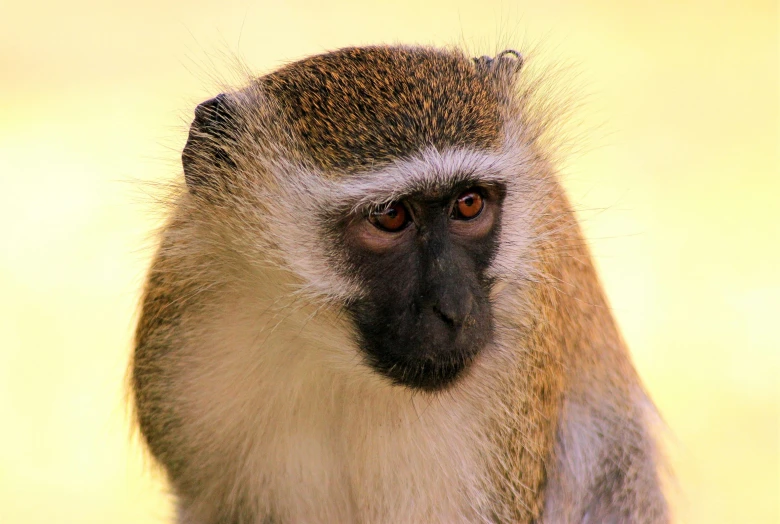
(454, 312)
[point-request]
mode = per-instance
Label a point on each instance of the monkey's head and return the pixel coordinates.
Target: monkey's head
(396, 184)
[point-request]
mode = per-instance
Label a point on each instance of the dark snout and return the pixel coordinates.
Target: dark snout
(427, 313)
(426, 334)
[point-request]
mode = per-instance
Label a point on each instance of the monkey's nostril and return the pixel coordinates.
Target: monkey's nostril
(453, 313)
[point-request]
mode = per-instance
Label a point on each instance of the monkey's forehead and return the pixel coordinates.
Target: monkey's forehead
(359, 108)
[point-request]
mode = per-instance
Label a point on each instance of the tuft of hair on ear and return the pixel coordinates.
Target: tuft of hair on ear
(508, 60)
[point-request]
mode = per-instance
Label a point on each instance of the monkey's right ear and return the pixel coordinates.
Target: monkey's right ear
(209, 142)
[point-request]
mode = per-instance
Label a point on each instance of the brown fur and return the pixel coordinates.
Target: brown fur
(352, 111)
(565, 417)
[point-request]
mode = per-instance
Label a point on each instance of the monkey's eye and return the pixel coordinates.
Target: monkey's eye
(393, 218)
(468, 205)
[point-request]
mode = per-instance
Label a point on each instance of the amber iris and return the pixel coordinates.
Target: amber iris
(468, 205)
(392, 218)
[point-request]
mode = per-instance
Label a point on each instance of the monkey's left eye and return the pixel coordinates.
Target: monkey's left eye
(468, 205)
(393, 218)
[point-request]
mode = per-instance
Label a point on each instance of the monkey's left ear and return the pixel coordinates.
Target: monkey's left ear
(209, 142)
(508, 60)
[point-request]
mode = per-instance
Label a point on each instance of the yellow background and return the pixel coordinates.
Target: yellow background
(677, 184)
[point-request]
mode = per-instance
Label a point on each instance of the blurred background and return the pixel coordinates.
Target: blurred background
(676, 181)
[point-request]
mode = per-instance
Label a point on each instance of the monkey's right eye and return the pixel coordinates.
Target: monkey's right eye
(392, 218)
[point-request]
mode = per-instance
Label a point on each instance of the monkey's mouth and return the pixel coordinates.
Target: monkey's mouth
(430, 358)
(427, 374)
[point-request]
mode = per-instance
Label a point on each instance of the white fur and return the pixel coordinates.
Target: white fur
(323, 434)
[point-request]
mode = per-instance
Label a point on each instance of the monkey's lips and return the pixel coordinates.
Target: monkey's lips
(427, 374)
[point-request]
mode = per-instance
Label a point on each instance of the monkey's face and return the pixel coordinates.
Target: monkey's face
(377, 176)
(425, 311)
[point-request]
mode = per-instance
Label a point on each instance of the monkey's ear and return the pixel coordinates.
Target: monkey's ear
(508, 60)
(209, 142)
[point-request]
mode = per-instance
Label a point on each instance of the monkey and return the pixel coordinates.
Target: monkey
(372, 302)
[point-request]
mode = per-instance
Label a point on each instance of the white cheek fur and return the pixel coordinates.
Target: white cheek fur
(322, 433)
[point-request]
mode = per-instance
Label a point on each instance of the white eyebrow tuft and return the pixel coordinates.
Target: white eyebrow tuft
(428, 171)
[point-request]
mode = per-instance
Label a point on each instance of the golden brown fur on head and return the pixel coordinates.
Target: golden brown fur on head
(358, 108)
(249, 383)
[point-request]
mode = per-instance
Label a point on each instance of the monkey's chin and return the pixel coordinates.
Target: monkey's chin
(429, 375)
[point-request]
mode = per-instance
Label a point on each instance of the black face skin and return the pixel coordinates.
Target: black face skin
(426, 313)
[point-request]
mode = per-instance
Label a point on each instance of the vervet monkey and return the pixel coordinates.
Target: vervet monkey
(372, 303)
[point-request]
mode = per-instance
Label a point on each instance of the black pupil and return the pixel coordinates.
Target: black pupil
(469, 200)
(392, 213)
